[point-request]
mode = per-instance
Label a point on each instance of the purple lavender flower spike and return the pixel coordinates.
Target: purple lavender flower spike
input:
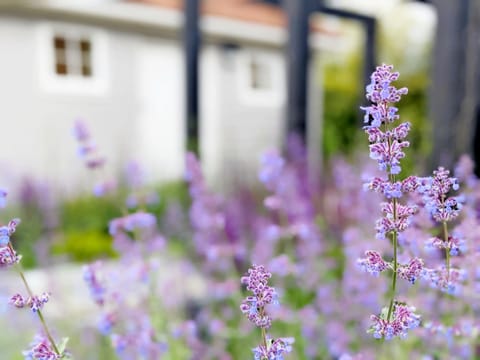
(403, 320)
(254, 307)
(435, 195)
(387, 144)
(80, 131)
(8, 257)
(271, 166)
(411, 271)
(275, 349)
(18, 301)
(7, 231)
(41, 349)
(92, 278)
(373, 263)
(35, 303)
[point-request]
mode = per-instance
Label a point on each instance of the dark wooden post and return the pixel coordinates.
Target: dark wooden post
(474, 51)
(192, 41)
(370, 58)
(447, 109)
(297, 62)
(370, 27)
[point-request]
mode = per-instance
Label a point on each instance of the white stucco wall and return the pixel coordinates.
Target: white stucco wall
(239, 123)
(136, 111)
(138, 115)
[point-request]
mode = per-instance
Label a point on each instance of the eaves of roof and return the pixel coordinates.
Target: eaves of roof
(136, 17)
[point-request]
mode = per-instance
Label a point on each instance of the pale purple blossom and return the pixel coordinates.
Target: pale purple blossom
(403, 320)
(373, 263)
(275, 349)
(8, 257)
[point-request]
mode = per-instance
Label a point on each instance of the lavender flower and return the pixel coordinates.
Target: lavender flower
(87, 150)
(8, 257)
(256, 281)
(275, 349)
(454, 244)
(403, 320)
(132, 222)
(411, 271)
(386, 146)
(447, 280)
(41, 351)
(254, 306)
(7, 231)
(435, 195)
(443, 209)
(45, 348)
(35, 303)
(373, 263)
(92, 278)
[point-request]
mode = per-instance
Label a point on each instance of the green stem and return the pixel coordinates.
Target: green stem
(447, 250)
(394, 277)
(47, 332)
(395, 264)
(264, 338)
(39, 313)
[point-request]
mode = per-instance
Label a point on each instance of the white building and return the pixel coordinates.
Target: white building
(119, 65)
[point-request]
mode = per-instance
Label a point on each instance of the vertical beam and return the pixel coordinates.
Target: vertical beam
(370, 60)
(474, 46)
(191, 41)
(448, 89)
(297, 62)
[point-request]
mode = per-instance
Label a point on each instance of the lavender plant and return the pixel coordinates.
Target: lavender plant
(443, 209)
(386, 146)
(44, 347)
(88, 151)
(255, 308)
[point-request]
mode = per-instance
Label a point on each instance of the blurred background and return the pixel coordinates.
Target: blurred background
(225, 79)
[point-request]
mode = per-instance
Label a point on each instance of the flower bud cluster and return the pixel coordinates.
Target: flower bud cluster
(87, 150)
(254, 307)
(41, 350)
(403, 320)
(34, 302)
(275, 349)
(435, 190)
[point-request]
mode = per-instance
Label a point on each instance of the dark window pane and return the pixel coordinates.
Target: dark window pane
(85, 45)
(59, 42)
(86, 71)
(61, 69)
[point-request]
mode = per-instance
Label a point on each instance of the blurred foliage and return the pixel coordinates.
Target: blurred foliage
(88, 213)
(344, 91)
(81, 233)
(84, 246)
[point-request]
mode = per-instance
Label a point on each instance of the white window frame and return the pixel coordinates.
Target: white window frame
(50, 81)
(274, 96)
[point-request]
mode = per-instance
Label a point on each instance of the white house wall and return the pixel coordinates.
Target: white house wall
(36, 123)
(239, 123)
(161, 118)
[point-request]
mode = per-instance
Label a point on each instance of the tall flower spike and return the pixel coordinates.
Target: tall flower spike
(254, 307)
(386, 147)
(443, 208)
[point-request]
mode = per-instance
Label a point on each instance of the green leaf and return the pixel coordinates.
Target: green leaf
(63, 344)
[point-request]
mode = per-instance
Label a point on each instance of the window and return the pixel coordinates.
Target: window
(260, 74)
(72, 56)
(72, 59)
(261, 77)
